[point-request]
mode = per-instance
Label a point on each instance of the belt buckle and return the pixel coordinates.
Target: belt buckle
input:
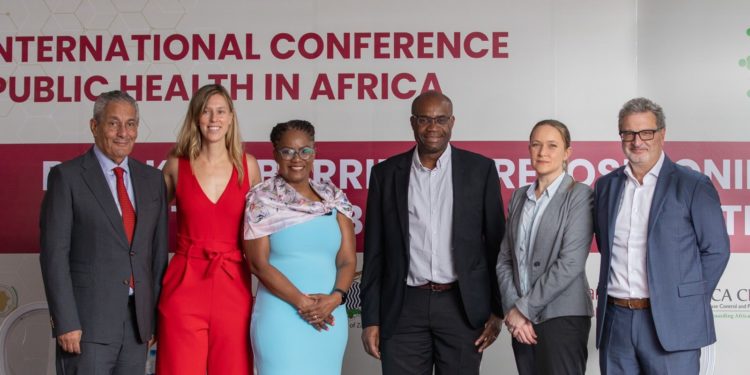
(435, 287)
(630, 304)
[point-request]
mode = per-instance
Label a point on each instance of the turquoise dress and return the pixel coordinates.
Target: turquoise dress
(283, 342)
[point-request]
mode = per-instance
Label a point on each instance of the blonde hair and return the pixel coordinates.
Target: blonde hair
(189, 140)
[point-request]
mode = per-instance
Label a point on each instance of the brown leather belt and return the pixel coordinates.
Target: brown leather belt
(630, 303)
(435, 287)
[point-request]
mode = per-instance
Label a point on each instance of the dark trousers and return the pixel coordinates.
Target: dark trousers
(126, 356)
(432, 331)
(630, 346)
(560, 348)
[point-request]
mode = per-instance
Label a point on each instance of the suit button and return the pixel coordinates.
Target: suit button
(132, 253)
(536, 264)
(126, 282)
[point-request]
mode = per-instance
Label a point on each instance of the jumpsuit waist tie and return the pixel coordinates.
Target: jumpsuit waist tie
(218, 253)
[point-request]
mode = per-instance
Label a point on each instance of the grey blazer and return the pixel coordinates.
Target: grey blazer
(563, 240)
(85, 257)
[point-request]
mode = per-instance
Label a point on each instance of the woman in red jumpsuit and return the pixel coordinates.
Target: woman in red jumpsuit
(205, 303)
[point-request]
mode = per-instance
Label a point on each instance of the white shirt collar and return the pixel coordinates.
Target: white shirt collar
(549, 191)
(443, 160)
(651, 175)
(107, 164)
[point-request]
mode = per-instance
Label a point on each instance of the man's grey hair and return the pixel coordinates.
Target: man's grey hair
(110, 96)
(640, 105)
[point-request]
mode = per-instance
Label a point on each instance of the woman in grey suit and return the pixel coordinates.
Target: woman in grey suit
(541, 266)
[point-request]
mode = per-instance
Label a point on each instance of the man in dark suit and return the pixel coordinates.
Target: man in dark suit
(104, 248)
(664, 246)
(432, 234)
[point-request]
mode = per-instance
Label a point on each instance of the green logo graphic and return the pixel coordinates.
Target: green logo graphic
(353, 302)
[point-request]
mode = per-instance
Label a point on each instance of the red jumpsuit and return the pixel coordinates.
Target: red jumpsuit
(205, 303)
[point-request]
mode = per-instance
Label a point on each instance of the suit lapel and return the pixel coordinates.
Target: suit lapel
(140, 192)
(613, 199)
(519, 199)
(551, 214)
(660, 191)
(95, 180)
(401, 187)
(458, 178)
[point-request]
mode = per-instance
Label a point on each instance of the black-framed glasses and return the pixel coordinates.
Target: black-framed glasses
(288, 153)
(646, 135)
(427, 120)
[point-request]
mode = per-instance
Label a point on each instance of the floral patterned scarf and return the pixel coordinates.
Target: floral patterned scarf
(274, 205)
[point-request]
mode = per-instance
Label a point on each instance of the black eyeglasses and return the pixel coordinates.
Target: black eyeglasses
(646, 135)
(427, 120)
(305, 153)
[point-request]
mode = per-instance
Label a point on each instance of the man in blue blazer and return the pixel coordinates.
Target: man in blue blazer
(664, 245)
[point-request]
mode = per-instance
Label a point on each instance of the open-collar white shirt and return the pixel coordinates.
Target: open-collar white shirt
(628, 276)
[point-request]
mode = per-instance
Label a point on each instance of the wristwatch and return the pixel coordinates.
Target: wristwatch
(343, 294)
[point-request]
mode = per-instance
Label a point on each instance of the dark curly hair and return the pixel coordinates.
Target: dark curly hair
(304, 126)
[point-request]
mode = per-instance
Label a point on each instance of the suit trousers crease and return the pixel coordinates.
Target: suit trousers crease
(432, 331)
(126, 357)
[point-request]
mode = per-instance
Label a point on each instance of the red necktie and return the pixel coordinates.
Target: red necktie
(128, 212)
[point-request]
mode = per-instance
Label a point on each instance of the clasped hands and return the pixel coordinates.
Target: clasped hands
(520, 327)
(316, 309)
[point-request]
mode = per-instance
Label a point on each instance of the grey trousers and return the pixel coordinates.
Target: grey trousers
(126, 356)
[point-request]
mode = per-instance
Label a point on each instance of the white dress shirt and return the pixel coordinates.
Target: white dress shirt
(628, 276)
(107, 168)
(431, 222)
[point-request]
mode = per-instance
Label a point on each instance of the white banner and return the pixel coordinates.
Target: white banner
(352, 69)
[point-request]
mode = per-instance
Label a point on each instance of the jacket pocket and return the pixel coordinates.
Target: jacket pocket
(80, 274)
(692, 288)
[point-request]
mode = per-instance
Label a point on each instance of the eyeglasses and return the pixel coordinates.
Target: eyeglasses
(116, 125)
(646, 135)
(305, 153)
(427, 120)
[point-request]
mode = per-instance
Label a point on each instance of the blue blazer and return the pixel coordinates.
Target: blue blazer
(688, 249)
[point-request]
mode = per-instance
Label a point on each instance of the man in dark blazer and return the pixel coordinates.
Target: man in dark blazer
(664, 247)
(432, 234)
(104, 248)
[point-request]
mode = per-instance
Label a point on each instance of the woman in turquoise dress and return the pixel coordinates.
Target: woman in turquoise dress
(299, 242)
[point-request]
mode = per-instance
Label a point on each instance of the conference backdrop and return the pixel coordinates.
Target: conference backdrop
(352, 69)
